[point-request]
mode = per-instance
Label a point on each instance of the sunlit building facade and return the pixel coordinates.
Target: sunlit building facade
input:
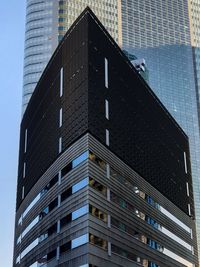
(93, 188)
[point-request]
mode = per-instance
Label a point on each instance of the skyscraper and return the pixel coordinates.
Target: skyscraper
(159, 31)
(104, 175)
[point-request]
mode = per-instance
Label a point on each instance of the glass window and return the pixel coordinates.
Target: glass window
(97, 160)
(29, 248)
(124, 253)
(173, 218)
(53, 204)
(98, 213)
(51, 255)
(61, 80)
(30, 226)
(43, 237)
(106, 72)
(95, 240)
(37, 198)
(53, 229)
(64, 221)
(97, 186)
(66, 169)
(81, 240)
(80, 159)
(123, 227)
(66, 247)
(177, 258)
(80, 185)
(80, 212)
(44, 212)
(66, 194)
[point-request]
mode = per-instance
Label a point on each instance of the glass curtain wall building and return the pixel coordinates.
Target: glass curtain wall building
(194, 7)
(158, 31)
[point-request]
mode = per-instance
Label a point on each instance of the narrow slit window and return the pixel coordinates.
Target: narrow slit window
(61, 82)
(23, 192)
(60, 118)
(185, 163)
(25, 141)
(106, 72)
(107, 137)
(107, 109)
(24, 170)
(189, 210)
(187, 187)
(60, 145)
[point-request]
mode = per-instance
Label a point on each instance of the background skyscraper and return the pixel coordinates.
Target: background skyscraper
(159, 31)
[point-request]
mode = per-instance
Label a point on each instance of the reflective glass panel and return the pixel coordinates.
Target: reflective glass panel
(81, 240)
(80, 212)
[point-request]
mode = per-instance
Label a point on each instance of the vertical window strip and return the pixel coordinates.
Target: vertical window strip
(106, 72)
(24, 170)
(58, 227)
(109, 221)
(185, 163)
(108, 171)
(109, 249)
(107, 137)
(25, 141)
(107, 109)
(189, 210)
(58, 253)
(23, 192)
(61, 82)
(60, 145)
(187, 187)
(108, 194)
(60, 118)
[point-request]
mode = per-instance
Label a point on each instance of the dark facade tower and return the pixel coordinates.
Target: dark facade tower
(104, 170)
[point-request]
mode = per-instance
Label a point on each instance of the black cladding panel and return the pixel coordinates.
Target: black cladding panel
(41, 118)
(141, 130)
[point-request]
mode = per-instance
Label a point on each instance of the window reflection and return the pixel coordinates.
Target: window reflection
(79, 212)
(38, 197)
(144, 239)
(124, 204)
(94, 240)
(97, 186)
(131, 256)
(124, 253)
(78, 186)
(81, 240)
(80, 159)
(49, 208)
(97, 160)
(114, 174)
(98, 213)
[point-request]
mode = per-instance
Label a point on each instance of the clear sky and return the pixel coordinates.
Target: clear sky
(12, 23)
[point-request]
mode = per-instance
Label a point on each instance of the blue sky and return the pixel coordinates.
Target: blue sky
(12, 21)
